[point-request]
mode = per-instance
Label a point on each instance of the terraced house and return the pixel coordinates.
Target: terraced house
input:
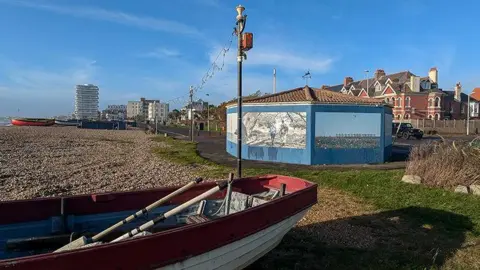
(412, 96)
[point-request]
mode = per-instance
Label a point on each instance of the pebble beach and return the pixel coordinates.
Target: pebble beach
(53, 161)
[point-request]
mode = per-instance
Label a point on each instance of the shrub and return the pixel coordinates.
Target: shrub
(446, 164)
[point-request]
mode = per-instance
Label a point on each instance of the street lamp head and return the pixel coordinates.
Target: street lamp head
(240, 10)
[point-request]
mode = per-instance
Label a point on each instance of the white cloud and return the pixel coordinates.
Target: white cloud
(119, 17)
(162, 53)
(39, 82)
(279, 58)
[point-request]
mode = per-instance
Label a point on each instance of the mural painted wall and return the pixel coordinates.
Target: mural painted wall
(232, 127)
(275, 129)
(347, 130)
(388, 129)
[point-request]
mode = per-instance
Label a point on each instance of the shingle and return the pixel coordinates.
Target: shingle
(312, 95)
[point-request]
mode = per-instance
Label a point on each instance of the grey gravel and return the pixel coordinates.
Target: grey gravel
(52, 161)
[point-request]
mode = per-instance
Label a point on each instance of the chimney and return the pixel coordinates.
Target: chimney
(415, 83)
(433, 75)
(379, 73)
(347, 81)
(458, 91)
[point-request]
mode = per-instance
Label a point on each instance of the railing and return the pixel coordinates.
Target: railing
(444, 126)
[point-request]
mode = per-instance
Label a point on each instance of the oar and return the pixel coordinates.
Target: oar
(220, 186)
(83, 240)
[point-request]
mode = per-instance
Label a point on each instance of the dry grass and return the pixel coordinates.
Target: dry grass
(345, 232)
(446, 165)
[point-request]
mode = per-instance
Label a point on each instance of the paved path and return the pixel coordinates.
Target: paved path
(212, 147)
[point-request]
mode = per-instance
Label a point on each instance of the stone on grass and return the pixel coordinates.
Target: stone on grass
(412, 179)
(475, 189)
(461, 189)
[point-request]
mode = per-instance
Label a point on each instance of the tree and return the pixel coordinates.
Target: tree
(140, 118)
(174, 115)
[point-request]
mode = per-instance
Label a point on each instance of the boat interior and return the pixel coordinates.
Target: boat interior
(55, 222)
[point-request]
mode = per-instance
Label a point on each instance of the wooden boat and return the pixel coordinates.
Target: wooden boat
(211, 225)
(70, 122)
(32, 122)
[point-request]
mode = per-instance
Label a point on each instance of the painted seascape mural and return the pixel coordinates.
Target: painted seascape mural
(347, 130)
(275, 129)
(388, 129)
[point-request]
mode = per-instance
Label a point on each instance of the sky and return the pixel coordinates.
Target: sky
(352, 123)
(158, 49)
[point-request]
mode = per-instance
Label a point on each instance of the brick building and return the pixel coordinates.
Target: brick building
(412, 96)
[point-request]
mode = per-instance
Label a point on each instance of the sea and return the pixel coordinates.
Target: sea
(4, 122)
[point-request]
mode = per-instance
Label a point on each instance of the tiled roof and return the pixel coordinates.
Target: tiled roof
(400, 81)
(356, 92)
(312, 95)
(463, 96)
(476, 93)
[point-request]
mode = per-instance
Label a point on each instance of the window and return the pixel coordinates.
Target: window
(430, 116)
(437, 116)
(430, 102)
(399, 102)
(407, 102)
(407, 116)
(462, 109)
(437, 102)
(378, 88)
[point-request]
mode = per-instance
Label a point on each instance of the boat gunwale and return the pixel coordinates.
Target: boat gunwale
(309, 186)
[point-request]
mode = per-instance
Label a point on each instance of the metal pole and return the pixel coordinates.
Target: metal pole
(191, 113)
(468, 115)
(156, 118)
(240, 23)
(208, 117)
(274, 80)
(366, 74)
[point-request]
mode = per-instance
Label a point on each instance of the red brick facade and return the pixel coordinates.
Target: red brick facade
(412, 97)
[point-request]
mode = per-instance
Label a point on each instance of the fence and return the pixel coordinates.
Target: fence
(444, 126)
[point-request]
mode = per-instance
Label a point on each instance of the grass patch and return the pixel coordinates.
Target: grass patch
(179, 151)
(385, 190)
(185, 152)
(414, 227)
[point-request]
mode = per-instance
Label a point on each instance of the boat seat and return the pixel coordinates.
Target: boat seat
(194, 219)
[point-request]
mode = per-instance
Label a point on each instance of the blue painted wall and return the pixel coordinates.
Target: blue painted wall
(349, 155)
(311, 154)
(277, 154)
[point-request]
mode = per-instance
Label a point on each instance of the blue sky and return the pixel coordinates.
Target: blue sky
(157, 49)
(327, 123)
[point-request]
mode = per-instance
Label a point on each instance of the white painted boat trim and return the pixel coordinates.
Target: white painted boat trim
(241, 253)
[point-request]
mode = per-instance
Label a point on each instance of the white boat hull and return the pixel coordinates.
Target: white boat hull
(241, 253)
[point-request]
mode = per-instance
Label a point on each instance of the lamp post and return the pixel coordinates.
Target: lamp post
(191, 114)
(208, 115)
(241, 20)
(468, 115)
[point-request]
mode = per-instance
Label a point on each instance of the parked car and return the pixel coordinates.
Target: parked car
(406, 131)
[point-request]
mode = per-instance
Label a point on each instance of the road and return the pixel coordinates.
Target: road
(400, 152)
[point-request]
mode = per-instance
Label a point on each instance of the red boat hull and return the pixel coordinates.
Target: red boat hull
(25, 122)
(162, 248)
